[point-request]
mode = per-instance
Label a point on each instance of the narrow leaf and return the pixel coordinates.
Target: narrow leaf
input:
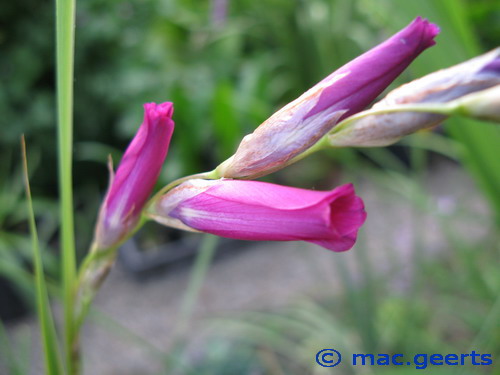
(53, 364)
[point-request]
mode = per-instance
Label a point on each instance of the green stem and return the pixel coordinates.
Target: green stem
(65, 26)
(446, 109)
(92, 273)
(198, 274)
(204, 258)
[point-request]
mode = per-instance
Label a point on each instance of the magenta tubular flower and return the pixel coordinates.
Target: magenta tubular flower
(136, 176)
(301, 123)
(253, 210)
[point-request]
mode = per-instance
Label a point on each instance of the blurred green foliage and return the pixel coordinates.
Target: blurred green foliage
(225, 76)
(15, 245)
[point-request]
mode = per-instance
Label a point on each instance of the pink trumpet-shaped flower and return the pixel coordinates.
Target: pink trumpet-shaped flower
(136, 176)
(253, 210)
(348, 90)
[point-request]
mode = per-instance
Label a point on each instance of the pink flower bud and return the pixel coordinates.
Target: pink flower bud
(301, 123)
(253, 210)
(377, 128)
(136, 176)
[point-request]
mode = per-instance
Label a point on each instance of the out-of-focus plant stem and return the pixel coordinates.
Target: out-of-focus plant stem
(203, 260)
(206, 253)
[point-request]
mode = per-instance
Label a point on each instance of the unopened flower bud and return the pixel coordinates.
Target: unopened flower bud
(136, 176)
(301, 123)
(392, 118)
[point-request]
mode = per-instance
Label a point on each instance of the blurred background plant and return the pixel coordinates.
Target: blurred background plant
(227, 71)
(16, 280)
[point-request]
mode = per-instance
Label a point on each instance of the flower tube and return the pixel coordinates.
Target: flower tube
(135, 177)
(253, 210)
(301, 123)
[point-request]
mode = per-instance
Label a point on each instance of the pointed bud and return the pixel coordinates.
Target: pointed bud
(301, 123)
(389, 120)
(136, 176)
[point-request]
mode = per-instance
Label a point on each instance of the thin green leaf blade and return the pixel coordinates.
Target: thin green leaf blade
(53, 364)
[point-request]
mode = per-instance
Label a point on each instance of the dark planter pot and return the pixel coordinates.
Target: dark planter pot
(12, 306)
(144, 257)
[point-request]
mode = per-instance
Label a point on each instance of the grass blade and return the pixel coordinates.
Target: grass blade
(65, 39)
(53, 364)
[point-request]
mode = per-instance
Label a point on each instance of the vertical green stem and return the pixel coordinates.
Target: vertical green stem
(65, 26)
(201, 265)
(198, 274)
